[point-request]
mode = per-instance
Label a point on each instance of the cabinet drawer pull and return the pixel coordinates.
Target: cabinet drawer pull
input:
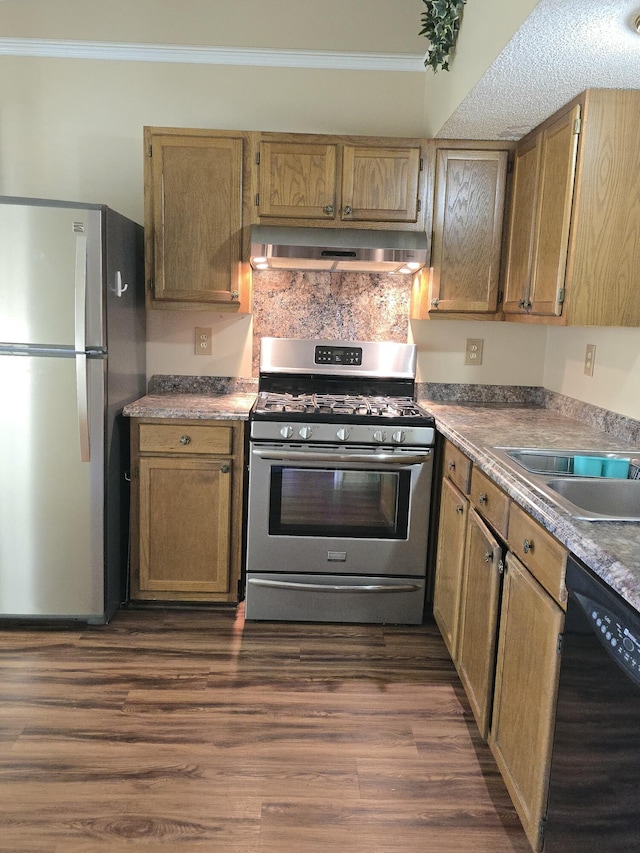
(459, 509)
(185, 439)
(488, 557)
(527, 546)
(224, 469)
(483, 499)
(328, 209)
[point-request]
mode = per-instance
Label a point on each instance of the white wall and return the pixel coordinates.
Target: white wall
(486, 28)
(512, 354)
(615, 383)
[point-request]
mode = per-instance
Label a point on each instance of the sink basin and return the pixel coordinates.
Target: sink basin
(557, 461)
(597, 499)
(551, 471)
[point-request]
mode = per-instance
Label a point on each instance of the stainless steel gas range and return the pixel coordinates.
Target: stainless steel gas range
(340, 469)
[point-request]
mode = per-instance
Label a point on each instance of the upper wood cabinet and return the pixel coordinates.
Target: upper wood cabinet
(573, 243)
(335, 181)
(464, 278)
(196, 202)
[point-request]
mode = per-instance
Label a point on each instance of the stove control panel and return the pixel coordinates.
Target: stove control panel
(326, 433)
(338, 355)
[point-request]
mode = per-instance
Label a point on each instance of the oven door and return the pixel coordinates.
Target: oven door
(343, 510)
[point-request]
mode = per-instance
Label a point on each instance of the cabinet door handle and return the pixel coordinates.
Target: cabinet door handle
(224, 469)
(235, 294)
(346, 210)
(185, 439)
(488, 557)
(459, 509)
(527, 546)
(328, 209)
(452, 465)
(483, 499)
(435, 303)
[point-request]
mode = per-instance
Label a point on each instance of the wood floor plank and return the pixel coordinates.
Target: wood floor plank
(172, 730)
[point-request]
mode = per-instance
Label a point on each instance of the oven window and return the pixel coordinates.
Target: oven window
(352, 503)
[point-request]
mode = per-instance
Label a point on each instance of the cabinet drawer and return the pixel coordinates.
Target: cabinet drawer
(185, 438)
(457, 467)
(545, 558)
(491, 501)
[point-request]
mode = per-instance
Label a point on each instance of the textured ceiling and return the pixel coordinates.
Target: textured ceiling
(564, 47)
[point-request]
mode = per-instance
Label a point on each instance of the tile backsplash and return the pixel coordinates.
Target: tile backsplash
(351, 306)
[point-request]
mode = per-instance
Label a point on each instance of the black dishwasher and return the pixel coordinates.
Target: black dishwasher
(594, 792)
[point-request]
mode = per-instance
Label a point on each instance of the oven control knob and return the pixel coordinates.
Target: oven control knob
(379, 435)
(286, 431)
(399, 436)
(305, 432)
(343, 434)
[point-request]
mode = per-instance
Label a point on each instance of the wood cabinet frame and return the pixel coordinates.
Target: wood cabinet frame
(186, 509)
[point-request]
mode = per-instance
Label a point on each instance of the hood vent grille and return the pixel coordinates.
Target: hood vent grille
(337, 249)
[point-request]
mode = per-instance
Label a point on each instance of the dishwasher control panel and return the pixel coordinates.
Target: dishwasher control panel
(617, 637)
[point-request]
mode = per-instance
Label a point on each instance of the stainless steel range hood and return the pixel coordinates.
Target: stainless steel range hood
(337, 249)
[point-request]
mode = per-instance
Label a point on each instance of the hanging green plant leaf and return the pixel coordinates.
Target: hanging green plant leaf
(440, 25)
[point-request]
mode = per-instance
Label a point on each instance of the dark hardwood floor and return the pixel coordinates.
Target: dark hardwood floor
(193, 731)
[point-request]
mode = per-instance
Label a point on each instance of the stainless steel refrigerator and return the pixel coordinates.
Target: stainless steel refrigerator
(72, 338)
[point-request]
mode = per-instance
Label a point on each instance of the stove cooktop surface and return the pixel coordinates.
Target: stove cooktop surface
(339, 408)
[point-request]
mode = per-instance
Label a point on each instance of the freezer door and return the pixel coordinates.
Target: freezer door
(51, 502)
(51, 276)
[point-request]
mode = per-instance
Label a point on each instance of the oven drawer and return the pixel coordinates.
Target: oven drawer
(334, 598)
(185, 438)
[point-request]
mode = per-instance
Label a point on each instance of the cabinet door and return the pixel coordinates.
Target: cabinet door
(467, 231)
(479, 618)
(553, 216)
(449, 564)
(193, 219)
(517, 279)
(525, 694)
(297, 180)
(185, 507)
(380, 184)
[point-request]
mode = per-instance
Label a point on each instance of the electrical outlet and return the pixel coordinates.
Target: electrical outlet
(589, 359)
(203, 341)
(473, 352)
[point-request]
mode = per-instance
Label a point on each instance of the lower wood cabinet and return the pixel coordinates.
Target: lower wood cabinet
(501, 618)
(480, 600)
(452, 529)
(525, 697)
(186, 510)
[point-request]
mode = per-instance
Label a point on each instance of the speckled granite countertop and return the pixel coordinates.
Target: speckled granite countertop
(610, 549)
(229, 407)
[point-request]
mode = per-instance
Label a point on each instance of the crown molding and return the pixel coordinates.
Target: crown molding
(266, 57)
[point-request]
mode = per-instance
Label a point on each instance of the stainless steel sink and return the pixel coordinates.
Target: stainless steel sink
(599, 498)
(551, 471)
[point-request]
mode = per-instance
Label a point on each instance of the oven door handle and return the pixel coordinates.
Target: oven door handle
(371, 458)
(319, 587)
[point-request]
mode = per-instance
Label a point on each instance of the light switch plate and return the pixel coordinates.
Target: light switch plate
(589, 359)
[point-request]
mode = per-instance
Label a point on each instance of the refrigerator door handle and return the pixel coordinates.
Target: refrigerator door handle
(80, 346)
(81, 293)
(83, 406)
